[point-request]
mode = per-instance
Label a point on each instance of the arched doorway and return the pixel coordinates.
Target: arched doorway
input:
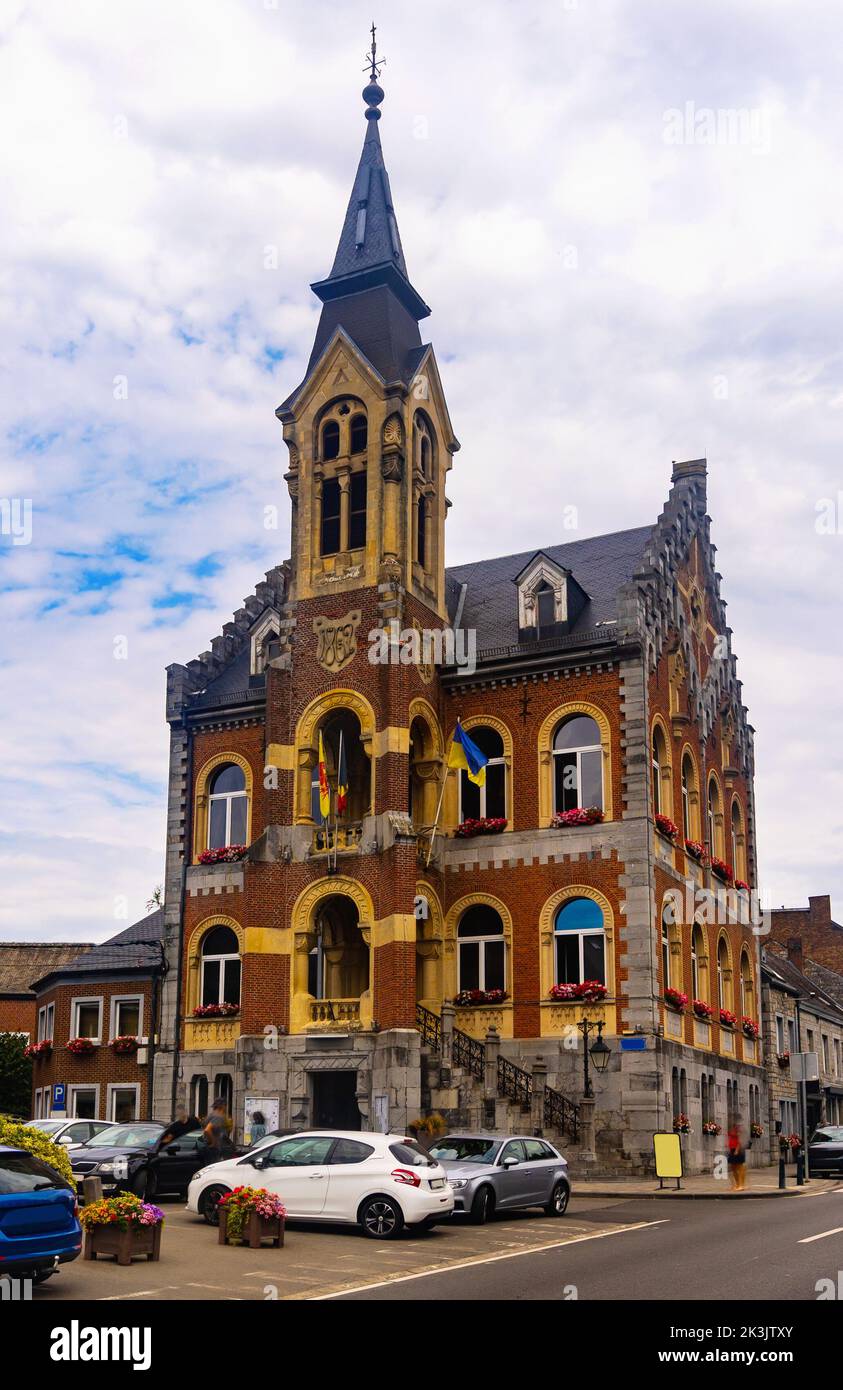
(338, 963)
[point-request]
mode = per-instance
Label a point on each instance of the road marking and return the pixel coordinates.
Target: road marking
(487, 1260)
(806, 1240)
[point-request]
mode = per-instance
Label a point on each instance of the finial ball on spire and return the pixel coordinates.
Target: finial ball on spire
(373, 95)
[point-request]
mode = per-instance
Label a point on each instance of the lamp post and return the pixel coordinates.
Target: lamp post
(599, 1053)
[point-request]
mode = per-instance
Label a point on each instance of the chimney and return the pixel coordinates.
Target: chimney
(819, 910)
(794, 951)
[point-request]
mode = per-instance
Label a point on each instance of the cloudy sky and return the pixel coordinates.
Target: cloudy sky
(627, 220)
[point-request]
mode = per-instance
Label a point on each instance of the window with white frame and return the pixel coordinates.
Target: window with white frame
(791, 1035)
(577, 765)
(580, 942)
(780, 1042)
(227, 807)
(123, 1103)
(86, 1020)
(46, 1022)
(488, 801)
(220, 967)
(836, 1056)
(83, 1102)
(126, 1018)
(482, 949)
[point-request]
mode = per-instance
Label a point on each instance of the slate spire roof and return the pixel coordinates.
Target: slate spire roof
(368, 293)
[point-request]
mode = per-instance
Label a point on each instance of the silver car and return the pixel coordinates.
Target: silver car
(499, 1172)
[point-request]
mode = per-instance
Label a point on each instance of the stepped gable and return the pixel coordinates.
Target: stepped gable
(228, 648)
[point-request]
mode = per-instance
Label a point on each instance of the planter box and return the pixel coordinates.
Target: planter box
(123, 1245)
(255, 1231)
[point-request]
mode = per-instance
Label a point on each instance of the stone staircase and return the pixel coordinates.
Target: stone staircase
(473, 1086)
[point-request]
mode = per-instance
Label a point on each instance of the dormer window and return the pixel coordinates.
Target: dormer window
(330, 440)
(545, 607)
(549, 598)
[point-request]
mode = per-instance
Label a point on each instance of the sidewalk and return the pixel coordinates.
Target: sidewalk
(760, 1182)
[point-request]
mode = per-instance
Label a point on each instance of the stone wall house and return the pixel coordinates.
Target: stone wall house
(105, 992)
(817, 1013)
(360, 973)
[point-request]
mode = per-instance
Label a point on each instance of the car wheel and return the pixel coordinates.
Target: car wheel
(483, 1206)
(380, 1218)
(140, 1183)
(209, 1204)
(558, 1204)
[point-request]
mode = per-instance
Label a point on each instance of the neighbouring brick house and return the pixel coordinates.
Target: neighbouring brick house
(21, 962)
(803, 1013)
(105, 992)
(810, 932)
(339, 986)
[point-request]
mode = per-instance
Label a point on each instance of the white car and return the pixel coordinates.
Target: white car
(381, 1182)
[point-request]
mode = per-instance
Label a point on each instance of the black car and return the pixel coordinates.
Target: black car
(825, 1150)
(129, 1158)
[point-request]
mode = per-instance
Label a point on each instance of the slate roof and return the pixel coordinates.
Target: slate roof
(808, 987)
(828, 980)
(234, 681)
(369, 235)
(601, 565)
(134, 948)
(21, 962)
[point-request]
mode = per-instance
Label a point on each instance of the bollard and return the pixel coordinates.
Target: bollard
(782, 1170)
(92, 1190)
(800, 1167)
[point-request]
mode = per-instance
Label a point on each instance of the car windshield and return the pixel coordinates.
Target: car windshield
(21, 1172)
(46, 1126)
(127, 1137)
(455, 1148)
(829, 1133)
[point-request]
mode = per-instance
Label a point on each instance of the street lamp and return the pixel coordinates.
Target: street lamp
(598, 1052)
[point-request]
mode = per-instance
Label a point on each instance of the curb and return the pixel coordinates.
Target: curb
(585, 1190)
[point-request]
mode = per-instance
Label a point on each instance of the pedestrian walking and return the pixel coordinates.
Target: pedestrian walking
(258, 1126)
(217, 1129)
(737, 1154)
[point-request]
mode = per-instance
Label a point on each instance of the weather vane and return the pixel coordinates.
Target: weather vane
(373, 62)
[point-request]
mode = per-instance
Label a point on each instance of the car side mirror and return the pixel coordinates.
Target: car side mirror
(172, 1149)
(260, 1161)
(510, 1163)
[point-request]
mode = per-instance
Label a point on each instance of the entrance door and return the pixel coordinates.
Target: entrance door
(334, 1100)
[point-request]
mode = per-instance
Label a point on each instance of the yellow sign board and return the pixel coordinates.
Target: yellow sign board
(668, 1153)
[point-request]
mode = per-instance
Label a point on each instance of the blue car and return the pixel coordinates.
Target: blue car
(39, 1227)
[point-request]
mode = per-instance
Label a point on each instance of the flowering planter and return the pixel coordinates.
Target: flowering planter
(582, 815)
(666, 827)
(38, 1050)
(727, 1019)
(696, 850)
(468, 997)
(123, 1245)
(722, 870)
(702, 1010)
(125, 1046)
(81, 1047)
(675, 999)
(750, 1028)
(256, 1230)
(783, 1059)
(231, 854)
(589, 992)
(216, 1011)
(486, 825)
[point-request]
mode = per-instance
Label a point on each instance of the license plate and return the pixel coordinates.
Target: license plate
(437, 1182)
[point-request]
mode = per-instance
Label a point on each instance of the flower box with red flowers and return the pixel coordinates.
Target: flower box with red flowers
(681, 1124)
(728, 1019)
(39, 1049)
(81, 1047)
(722, 870)
(756, 1130)
(742, 885)
(702, 1009)
(590, 991)
(783, 1059)
(696, 850)
(711, 1128)
(581, 815)
(125, 1046)
(484, 825)
(667, 827)
(750, 1027)
(470, 997)
(122, 1226)
(216, 1011)
(230, 854)
(249, 1216)
(675, 999)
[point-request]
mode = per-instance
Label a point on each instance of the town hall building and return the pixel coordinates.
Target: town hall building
(368, 971)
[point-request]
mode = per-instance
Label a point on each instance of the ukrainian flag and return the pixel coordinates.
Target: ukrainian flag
(466, 755)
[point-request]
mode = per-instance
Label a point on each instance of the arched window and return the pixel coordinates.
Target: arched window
(713, 808)
(699, 971)
(199, 1096)
(330, 530)
(580, 940)
(330, 440)
(359, 433)
(667, 972)
(738, 861)
(747, 988)
(342, 724)
(421, 523)
(482, 951)
(724, 982)
(357, 511)
(661, 770)
(228, 805)
(338, 965)
(423, 441)
(688, 788)
(577, 764)
(223, 1090)
(220, 954)
(489, 800)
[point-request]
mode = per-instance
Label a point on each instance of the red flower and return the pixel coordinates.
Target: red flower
(230, 854)
(581, 815)
(666, 826)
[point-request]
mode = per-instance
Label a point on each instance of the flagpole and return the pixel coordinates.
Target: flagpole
(438, 812)
(337, 803)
